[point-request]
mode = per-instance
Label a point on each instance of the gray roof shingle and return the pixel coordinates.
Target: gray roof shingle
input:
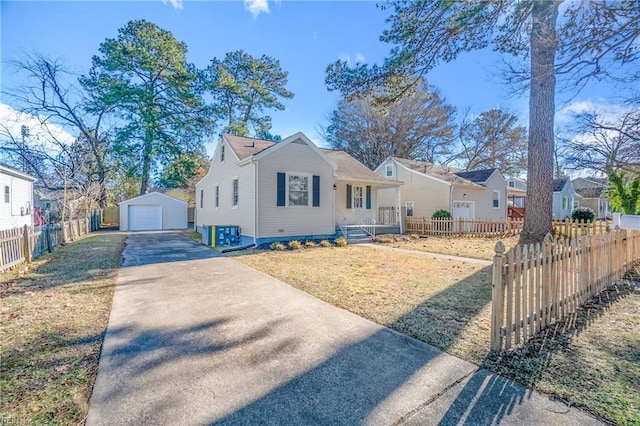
(446, 173)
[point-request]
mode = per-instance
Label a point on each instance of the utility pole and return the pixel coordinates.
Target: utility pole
(24, 131)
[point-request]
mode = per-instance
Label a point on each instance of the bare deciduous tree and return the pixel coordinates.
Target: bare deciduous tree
(418, 126)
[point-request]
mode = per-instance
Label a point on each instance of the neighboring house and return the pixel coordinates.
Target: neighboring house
(516, 192)
(285, 190)
(152, 211)
(51, 201)
(17, 198)
(428, 187)
(591, 193)
(564, 198)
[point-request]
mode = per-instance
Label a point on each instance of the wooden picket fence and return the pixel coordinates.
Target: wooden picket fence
(468, 227)
(537, 284)
(571, 229)
(24, 244)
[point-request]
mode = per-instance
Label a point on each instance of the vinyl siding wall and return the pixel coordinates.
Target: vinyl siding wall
(174, 212)
(558, 211)
(483, 198)
(222, 174)
(428, 195)
(283, 221)
(20, 197)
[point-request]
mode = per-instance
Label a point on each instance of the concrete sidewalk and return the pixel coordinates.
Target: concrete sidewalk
(207, 341)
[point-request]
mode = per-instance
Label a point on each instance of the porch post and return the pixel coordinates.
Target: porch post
(399, 209)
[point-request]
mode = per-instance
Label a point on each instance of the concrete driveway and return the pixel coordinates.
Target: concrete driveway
(207, 340)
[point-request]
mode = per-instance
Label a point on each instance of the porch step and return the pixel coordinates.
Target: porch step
(357, 235)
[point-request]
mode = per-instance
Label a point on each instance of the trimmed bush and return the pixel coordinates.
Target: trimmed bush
(325, 243)
(441, 214)
(584, 214)
(341, 241)
(277, 246)
(309, 244)
(295, 245)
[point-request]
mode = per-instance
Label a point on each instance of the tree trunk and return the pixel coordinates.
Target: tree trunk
(146, 162)
(537, 222)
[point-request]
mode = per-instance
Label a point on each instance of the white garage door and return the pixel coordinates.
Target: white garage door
(145, 217)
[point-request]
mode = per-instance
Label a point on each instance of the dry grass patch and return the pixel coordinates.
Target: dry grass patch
(444, 303)
(52, 322)
(476, 248)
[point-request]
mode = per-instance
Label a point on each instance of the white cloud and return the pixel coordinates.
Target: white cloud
(360, 58)
(604, 109)
(48, 135)
(177, 4)
(256, 7)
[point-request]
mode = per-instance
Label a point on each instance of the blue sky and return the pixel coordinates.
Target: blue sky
(305, 36)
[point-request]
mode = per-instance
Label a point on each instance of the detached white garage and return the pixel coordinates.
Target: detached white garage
(151, 212)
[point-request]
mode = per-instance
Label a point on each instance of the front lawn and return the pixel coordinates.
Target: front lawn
(591, 360)
(53, 317)
(477, 248)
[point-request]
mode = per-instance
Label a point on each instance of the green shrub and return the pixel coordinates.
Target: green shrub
(309, 244)
(341, 241)
(295, 245)
(584, 214)
(277, 246)
(325, 243)
(441, 214)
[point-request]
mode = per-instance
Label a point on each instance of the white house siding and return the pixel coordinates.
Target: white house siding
(429, 195)
(558, 211)
(17, 212)
(222, 174)
(483, 197)
(284, 221)
(174, 212)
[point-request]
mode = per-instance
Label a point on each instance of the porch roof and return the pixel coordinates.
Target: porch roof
(350, 169)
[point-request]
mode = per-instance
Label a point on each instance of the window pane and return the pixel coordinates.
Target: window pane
(357, 197)
(298, 190)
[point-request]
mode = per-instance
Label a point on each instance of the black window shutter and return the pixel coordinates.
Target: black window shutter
(368, 196)
(348, 196)
(281, 189)
(316, 191)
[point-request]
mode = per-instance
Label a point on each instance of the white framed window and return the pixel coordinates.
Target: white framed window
(235, 191)
(389, 170)
(358, 197)
(576, 204)
(217, 202)
(512, 184)
(410, 208)
(7, 194)
(222, 153)
(496, 199)
(565, 202)
(298, 186)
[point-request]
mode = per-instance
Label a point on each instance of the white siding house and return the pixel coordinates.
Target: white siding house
(17, 198)
(280, 191)
(564, 198)
(429, 187)
(151, 212)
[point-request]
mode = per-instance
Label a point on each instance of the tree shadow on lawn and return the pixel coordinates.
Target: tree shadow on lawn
(529, 363)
